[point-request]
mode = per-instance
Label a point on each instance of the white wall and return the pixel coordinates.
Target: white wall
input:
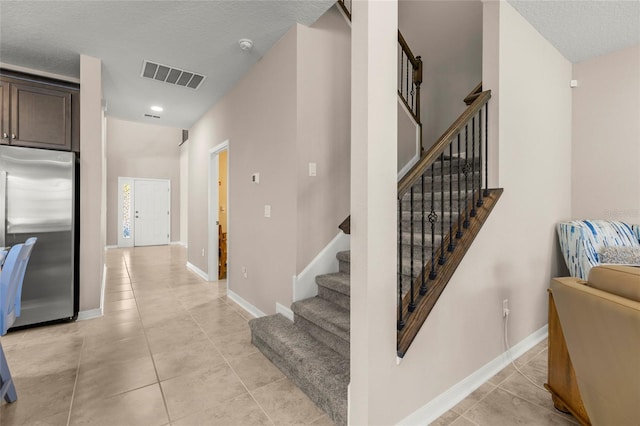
(606, 137)
(92, 237)
(448, 36)
(141, 150)
(515, 254)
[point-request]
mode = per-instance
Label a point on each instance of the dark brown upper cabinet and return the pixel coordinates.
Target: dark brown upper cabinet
(38, 114)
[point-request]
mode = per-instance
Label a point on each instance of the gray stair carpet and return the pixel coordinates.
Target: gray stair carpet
(313, 351)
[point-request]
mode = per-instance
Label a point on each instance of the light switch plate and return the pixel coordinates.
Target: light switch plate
(255, 178)
(267, 210)
(312, 169)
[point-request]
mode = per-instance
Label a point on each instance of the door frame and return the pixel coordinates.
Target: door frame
(214, 207)
(130, 242)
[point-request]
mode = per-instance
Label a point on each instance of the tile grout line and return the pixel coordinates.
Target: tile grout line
(538, 405)
(228, 363)
(146, 339)
(75, 382)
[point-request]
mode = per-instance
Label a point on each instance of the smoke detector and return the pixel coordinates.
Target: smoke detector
(245, 44)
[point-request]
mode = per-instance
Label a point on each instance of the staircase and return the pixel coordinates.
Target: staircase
(313, 351)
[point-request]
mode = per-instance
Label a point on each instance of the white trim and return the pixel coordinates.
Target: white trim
(90, 314)
(38, 72)
(284, 311)
(448, 399)
(110, 247)
(405, 169)
(304, 284)
(199, 272)
(177, 243)
(213, 205)
(245, 305)
(97, 312)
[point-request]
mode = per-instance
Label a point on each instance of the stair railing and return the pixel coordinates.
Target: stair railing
(409, 73)
(434, 215)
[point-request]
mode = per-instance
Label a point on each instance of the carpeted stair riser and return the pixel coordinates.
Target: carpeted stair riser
(437, 180)
(325, 321)
(335, 287)
(405, 225)
(324, 336)
(344, 261)
(405, 238)
(317, 370)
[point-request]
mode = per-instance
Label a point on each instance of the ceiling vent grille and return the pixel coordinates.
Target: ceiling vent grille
(171, 75)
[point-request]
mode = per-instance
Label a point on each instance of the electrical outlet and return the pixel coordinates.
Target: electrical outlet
(505, 307)
(202, 252)
(244, 271)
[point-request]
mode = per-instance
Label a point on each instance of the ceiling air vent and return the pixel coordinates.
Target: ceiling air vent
(171, 75)
(151, 116)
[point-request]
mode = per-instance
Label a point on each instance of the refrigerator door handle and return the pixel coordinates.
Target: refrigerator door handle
(3, 207)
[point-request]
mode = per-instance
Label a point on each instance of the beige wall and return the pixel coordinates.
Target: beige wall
(514, 256)
(450, 69)
(184, 192)
(141, 150)
(606, 137)
(276, 123)
(407, 140)
(258, 117)
(92, 238)
(323, 133)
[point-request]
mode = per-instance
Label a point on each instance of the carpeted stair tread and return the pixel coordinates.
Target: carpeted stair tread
(336, 281)
(344, 256)
(320, 372)
(325, 315)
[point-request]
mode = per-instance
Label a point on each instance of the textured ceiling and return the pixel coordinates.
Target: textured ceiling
(583, 29)
(200, 36)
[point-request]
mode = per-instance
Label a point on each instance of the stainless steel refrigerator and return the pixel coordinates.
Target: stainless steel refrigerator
(37, 199)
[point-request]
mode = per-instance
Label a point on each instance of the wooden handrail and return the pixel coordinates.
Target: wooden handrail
(473, 94)
(434, 152)
(406, 48)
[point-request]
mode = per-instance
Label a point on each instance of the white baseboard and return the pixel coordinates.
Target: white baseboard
(110, 247)
(245, 305)
(199, 272)
(90, 314)
(448, 399)
(177, 243)
(304, 284)
(284, 311)
(97, 312)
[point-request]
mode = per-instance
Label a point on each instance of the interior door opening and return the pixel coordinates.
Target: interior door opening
(218, 212)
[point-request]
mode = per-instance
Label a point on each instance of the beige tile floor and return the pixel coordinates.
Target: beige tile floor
(173, 349)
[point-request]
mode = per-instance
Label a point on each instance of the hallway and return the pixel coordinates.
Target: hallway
(170, 349)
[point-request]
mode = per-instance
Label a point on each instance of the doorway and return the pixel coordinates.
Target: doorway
(144, 212)
(218, 211)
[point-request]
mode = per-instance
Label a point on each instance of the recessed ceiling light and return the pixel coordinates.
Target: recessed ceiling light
(157, 108)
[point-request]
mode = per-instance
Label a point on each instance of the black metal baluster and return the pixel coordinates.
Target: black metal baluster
(473, 166)
(423, 286)
(412, 305)
(466, 176)
(459, 233)
(480, 200)
(401, 71)
(433, 218)
(400, 324)
(407, 79)
(452, 245)
(442, 259)
(486, 150)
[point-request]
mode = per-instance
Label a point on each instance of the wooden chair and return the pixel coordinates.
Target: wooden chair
(11, 278)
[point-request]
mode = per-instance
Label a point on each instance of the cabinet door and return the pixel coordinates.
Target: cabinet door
(40, 117)
(4, 112)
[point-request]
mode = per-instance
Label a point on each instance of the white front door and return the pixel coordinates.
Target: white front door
(152, 213)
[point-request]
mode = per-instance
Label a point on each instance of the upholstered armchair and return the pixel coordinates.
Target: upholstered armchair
(582, 242)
